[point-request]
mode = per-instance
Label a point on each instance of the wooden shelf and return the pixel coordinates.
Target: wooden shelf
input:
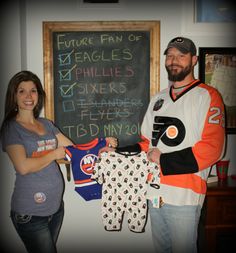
(217, 227)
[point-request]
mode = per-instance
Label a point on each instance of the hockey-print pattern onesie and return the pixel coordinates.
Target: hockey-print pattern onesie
(124, 180)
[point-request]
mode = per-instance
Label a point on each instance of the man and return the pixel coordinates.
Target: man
(184, 127)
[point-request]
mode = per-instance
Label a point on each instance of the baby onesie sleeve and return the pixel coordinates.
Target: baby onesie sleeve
(98, 171)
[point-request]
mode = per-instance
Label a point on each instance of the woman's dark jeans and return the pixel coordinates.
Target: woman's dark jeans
(39, 234)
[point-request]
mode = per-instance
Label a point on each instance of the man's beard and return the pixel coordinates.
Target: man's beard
(177, 77)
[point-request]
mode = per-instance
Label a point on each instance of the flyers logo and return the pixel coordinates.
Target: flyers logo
(170, 131)
(87, 163)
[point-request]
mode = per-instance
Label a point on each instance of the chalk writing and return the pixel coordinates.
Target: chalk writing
(101, 83)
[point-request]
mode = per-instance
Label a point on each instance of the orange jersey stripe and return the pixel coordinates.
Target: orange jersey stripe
(211, 147)
(144, 144)
(88, 145)
(68, 152)
(83, 181)
(188, 181)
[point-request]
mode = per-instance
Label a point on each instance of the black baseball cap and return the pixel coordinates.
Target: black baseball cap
(184, 45)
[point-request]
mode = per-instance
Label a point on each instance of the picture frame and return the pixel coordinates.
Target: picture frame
(217, 68)
(220, 11)
(190, 26)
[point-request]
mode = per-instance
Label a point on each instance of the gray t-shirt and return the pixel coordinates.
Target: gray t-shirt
(38, 193)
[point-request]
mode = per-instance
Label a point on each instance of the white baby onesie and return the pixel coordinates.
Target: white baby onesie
(124, 180)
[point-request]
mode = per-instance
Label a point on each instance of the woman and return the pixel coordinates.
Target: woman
(33, 144)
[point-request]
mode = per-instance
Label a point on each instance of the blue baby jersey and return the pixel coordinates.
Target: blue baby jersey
(83, 157)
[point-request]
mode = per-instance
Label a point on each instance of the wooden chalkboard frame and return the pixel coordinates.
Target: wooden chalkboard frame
(49, 27)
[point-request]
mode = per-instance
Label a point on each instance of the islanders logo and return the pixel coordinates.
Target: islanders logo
(87, 164)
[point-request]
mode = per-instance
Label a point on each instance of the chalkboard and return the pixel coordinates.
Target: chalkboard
(99, 81)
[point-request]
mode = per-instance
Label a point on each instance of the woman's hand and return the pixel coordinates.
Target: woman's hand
(105, 149)
(112, 142)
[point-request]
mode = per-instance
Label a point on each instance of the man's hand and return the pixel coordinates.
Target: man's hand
(153, 155)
